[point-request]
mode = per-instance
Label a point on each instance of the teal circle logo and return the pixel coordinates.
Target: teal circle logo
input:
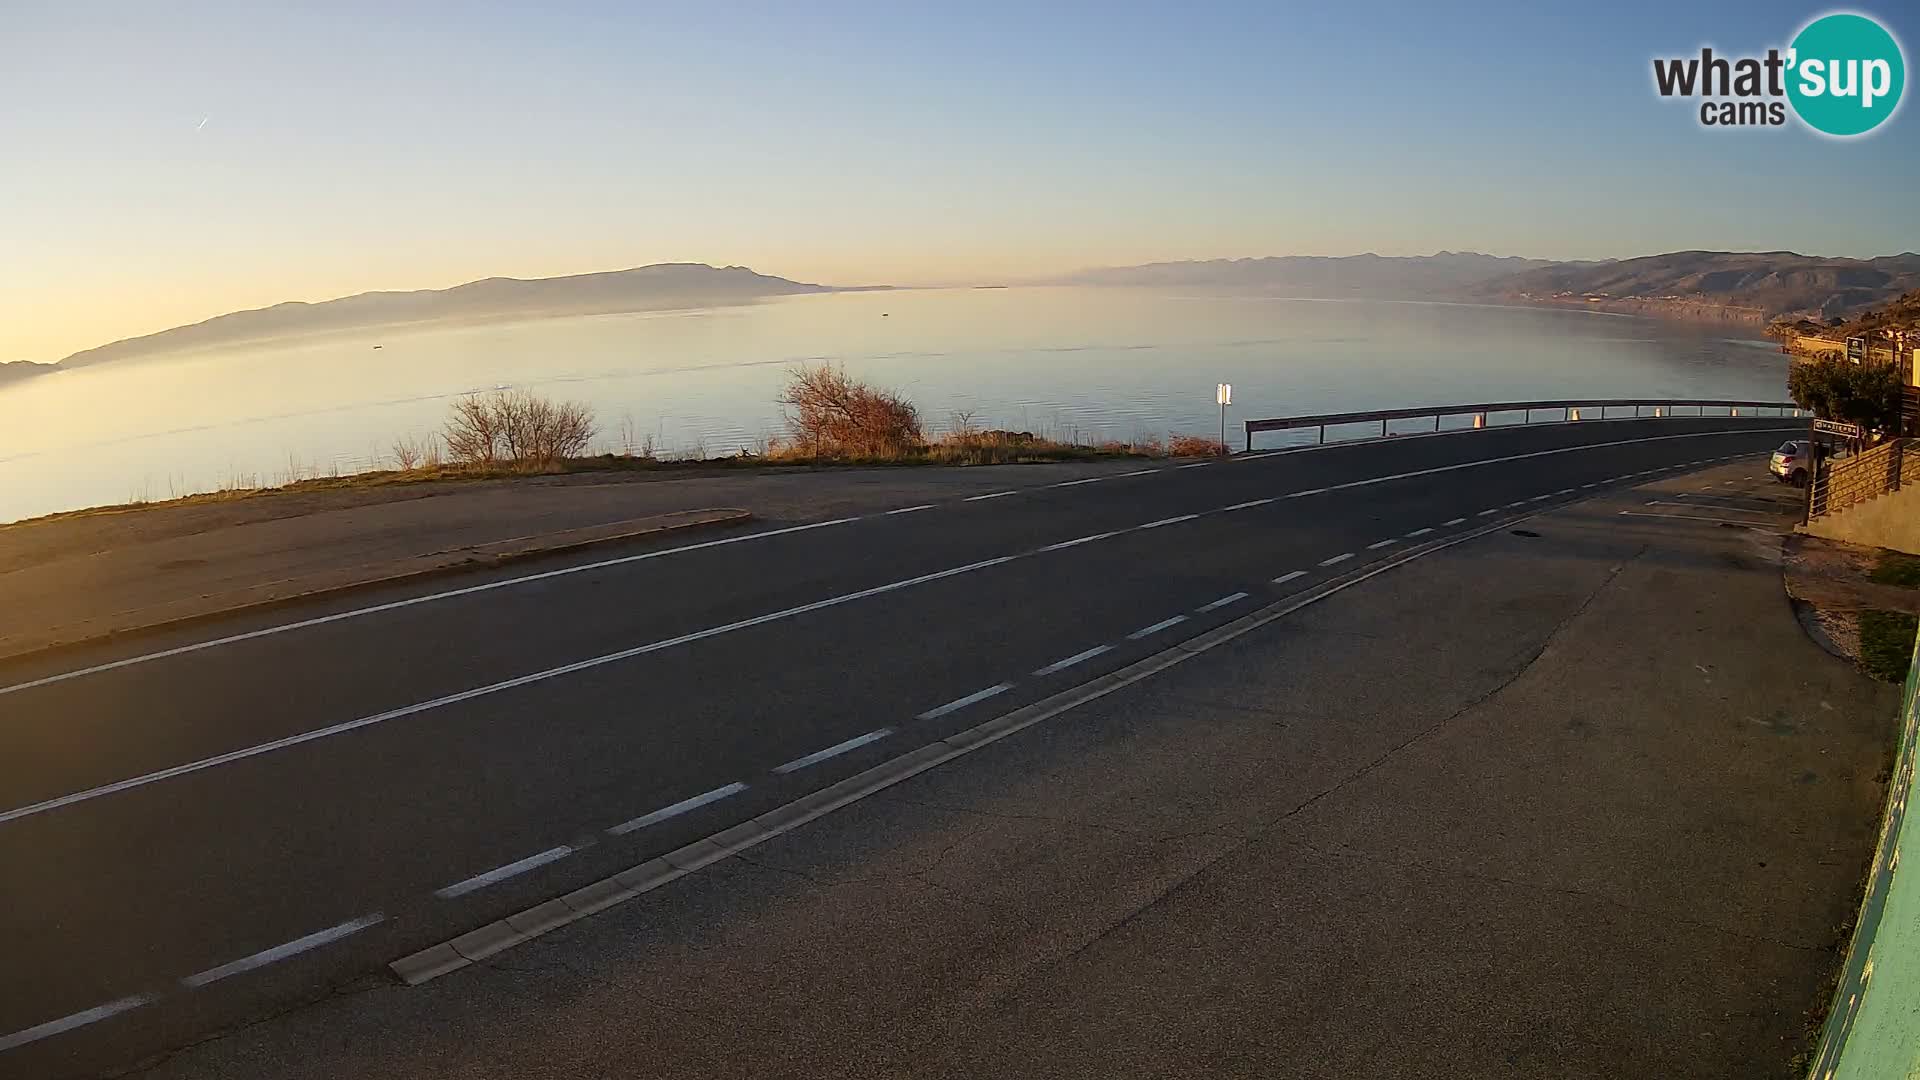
(1845, 74)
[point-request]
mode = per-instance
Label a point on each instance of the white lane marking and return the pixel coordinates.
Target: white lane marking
(1248, 505)
(1081, 540)
(1216, 605)
(1167, 521)
(1484, 513)
(1146, 631)
(1197, 465)
(1541, 498)
(910, 509)
(676, 809)
(1455, 521)
(1761, 525)
(1289, 576)
(340, 616)
(281, 952)
(1516, 502)
(1086, 480)
(1697, 505)
(1340, 558)
(68, 1023)
(1423, 532)
(602, 564)
(1584, 487)
(1378, 544)
(1062, 665)
(835, 750)
(502, 873)
(1564, 491)
(989, 495)
(960, 703)
(490, 688)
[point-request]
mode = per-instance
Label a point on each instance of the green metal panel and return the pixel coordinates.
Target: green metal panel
(1873, 1031)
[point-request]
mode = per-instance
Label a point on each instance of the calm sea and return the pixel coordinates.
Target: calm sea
(1072, 362)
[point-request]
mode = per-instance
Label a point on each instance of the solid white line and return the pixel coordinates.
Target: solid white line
(1307, 492)
(1156, 627)
(989, 495)
(68, 1023)
(502, 873)
(280, 952)
(676, 809)
(1340, 558)
(1062, 665)
(396, 605)
(1696, 505)
(1248, 505)
(1378, 544)
(490, 688)
(1081, 540)
(1423, 532)
(835, 750)
(910, 509)
(1167, 521)
(1695, 517)
(960, 703)
(1289, 576)
(1222, 602)
(1087, 480)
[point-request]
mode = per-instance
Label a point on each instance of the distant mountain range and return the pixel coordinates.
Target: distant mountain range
(1444, 274)
(1745, 287)
(662, 286)
(1737, 286)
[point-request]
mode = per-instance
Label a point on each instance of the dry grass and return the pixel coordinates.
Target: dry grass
(1196, 446)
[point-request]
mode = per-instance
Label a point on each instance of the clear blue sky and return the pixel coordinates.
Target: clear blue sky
(161, 163)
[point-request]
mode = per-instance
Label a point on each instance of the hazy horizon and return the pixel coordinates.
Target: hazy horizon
(172, 167)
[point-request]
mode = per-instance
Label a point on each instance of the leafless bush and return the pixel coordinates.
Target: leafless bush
(1196, 446)
(832, 413)
(516, 427)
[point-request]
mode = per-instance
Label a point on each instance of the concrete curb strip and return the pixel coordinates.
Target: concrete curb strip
(480, 557)
(437, 960)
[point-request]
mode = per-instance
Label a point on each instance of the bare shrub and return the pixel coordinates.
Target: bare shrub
(516, 427)
(1195, 446)
(407, 453)
(831, 413)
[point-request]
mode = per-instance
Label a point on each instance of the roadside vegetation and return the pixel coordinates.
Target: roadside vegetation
(1886, 643)
(832, 419)
(1864, 394)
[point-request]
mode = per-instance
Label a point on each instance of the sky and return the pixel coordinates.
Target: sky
(164, 163)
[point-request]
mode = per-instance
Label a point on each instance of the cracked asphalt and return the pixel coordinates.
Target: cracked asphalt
(1581, 804)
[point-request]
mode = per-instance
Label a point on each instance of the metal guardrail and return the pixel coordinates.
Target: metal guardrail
(1569, 409)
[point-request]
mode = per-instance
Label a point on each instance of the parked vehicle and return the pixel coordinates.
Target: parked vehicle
(1793, 462)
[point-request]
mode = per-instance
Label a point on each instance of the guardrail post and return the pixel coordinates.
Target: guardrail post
(1383, 428)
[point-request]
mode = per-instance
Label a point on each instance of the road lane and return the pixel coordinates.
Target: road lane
(183, 876)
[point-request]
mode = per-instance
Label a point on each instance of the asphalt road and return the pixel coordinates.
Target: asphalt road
(201, 828)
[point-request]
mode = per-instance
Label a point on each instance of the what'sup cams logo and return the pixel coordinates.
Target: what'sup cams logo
(1842, 76)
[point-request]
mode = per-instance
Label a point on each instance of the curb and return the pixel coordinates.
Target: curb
(481, 559)
(500, 935)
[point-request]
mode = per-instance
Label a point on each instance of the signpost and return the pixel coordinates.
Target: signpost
(1857, 350)
(1224, 395)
